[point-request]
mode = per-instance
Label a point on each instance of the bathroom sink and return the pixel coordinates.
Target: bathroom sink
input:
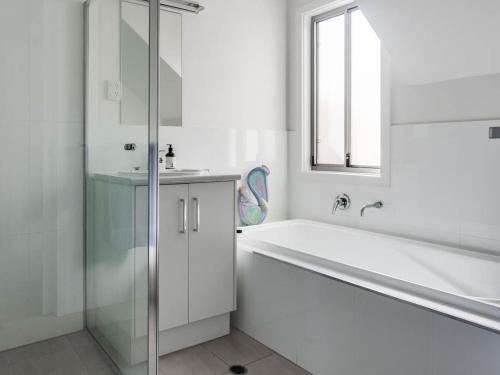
(166, 172)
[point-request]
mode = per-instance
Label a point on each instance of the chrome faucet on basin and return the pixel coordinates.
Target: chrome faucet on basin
(377, 204)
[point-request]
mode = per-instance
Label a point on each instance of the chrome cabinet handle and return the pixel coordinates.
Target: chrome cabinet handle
(197, 213)
(183, 226)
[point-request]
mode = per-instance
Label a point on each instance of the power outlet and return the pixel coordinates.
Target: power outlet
(114, 91)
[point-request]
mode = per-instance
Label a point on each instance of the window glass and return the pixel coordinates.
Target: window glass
(365, 92)
(347, 97)
(330, 91)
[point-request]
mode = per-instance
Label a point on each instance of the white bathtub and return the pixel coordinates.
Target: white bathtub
(455, 282)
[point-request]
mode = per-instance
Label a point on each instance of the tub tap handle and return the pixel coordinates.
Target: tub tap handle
(377, 204)
(341, 202)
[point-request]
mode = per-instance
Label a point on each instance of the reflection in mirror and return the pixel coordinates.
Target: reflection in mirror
(134, 65)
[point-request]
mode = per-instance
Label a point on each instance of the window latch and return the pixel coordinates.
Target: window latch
(348, 159)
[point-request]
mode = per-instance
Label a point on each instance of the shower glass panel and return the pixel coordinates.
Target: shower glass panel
(117, 198)
(41, 177)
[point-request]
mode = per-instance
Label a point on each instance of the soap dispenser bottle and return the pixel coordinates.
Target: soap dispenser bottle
(170, 158)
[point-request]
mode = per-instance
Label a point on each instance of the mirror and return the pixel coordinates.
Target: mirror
(134, 65)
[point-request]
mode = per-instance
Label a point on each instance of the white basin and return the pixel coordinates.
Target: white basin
(166, 172)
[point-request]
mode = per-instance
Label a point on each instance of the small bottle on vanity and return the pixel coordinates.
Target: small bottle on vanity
(170, 158)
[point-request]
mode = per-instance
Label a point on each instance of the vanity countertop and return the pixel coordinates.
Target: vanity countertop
(142, 180)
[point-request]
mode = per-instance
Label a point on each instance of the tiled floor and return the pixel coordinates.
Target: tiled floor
(74, 354)
(215, 357)
(78, 354)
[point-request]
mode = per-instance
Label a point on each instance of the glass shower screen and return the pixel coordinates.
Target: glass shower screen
(121, 216)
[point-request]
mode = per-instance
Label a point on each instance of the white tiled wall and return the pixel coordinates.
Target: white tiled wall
(218, 149)
(444, 181)
(41, 169)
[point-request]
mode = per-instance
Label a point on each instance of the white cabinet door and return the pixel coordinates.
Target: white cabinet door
(211, 249)
(173, 254)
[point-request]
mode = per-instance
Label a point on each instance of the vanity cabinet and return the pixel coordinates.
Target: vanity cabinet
(196, 252)
(196, 270)
(173, 266)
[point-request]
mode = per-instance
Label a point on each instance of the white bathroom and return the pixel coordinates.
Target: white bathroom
(249, 187)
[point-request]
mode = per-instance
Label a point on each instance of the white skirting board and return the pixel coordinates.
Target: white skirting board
(192, 334)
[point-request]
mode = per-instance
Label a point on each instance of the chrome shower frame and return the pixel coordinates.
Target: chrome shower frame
(153, 183)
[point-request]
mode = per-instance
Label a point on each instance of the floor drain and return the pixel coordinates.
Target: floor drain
(238, 369)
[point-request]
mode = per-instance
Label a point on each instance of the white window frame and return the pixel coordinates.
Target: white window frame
(342, 174)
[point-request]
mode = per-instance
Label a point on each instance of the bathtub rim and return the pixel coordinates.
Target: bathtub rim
(490, 255)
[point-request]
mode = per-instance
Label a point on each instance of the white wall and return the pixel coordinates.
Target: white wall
(436, 167)
(41, 169)
(234, 96)
(473, 98)
(432, 41)
(234, 82)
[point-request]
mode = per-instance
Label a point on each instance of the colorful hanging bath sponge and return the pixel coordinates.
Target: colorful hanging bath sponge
(254, 211)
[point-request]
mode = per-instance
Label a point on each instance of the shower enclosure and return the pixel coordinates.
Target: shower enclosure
(127, 68)
(119, 291)
(78, 277)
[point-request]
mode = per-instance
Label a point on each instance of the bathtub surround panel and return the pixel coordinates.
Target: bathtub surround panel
(279, 323)
(41, 164)
(319, 332)
(370, 333)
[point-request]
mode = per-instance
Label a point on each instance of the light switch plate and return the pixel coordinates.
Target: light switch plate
(114, 91)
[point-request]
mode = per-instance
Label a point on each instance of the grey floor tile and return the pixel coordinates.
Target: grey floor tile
(79, 354)
(57, 345)
(24, 368)
(74, 354)
(4, 364)
(238, 348)
(103, 372)
(27, 352)
(274, 365)
(94, 358)
(64, 363)
(197, 360)
(81, 338)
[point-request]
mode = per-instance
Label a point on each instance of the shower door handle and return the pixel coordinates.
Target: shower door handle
(183, 226)
(196, 227)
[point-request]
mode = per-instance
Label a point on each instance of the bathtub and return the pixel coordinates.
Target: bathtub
(455, 282)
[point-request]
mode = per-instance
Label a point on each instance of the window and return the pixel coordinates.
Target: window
(346, 93)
